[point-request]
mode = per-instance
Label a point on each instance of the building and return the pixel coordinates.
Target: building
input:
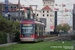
(50, 3)
(14, 13)
(25, 12)
(11, 5)
(47, 15)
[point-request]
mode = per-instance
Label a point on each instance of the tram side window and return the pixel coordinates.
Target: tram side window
(43, 30)
(40, 31)
(35, 29)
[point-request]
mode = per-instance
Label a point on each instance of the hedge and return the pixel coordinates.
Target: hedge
(17, 36)
(3, 37)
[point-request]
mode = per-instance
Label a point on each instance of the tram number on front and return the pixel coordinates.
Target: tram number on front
(27, 25)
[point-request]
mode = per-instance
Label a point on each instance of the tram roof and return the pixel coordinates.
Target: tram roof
(31, 21)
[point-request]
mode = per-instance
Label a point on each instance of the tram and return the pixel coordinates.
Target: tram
(31, 30)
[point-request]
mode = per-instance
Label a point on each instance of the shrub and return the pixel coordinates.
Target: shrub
(3, 37)
(17, 36)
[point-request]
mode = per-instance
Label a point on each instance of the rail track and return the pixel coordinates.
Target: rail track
(61, 37)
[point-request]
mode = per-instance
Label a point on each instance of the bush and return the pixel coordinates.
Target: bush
(3, 37)
(17, 36)
(73, 37)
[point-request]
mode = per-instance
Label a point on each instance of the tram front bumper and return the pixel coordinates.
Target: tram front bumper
(27, 39)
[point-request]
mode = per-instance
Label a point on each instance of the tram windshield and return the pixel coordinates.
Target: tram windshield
(27, 28)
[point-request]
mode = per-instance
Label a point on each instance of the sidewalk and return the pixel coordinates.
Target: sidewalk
(8, 44)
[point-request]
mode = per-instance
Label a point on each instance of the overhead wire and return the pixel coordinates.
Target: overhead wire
(31, 3)
(27, 2)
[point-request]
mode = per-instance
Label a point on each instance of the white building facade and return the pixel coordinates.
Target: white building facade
(47, 13)
(50, 3)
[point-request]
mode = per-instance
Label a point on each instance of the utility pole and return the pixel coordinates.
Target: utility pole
(19, 10)
(35, 10)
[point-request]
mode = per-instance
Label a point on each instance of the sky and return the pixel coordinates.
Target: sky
(68, 3)
(40, 3)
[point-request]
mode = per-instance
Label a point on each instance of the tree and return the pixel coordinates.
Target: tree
(4, 24)
(64, 27)
(9, 26)
(58, 28)
(17, 25)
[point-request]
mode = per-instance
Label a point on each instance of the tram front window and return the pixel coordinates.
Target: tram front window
(27, 30)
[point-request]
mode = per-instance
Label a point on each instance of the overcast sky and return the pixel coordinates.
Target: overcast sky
(40, 3)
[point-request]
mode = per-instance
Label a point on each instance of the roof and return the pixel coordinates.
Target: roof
(26, 7)
(34, 22)
(49, 0)
(46, 8)
(23, 9)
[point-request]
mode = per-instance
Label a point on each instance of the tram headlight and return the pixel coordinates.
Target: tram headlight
(31, 35)
(20, 35)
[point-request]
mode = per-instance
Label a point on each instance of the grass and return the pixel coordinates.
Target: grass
(60, 46)
(50, 37)
(74, 48)
(46, 45)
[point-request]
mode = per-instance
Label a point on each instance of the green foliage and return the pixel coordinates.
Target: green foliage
(4, 24)
(64, 27)
(16, 25)
(58, 28)
(9, 26)
(3, 37)
(17, 36)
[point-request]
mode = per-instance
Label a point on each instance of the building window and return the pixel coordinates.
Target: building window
(37, 14)
(50, 15)
(14, 7)
(50, 2)
(43, 15)
(47, 15)
(44, 2)
(47, 11)
(43, 11)
(11, 7)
